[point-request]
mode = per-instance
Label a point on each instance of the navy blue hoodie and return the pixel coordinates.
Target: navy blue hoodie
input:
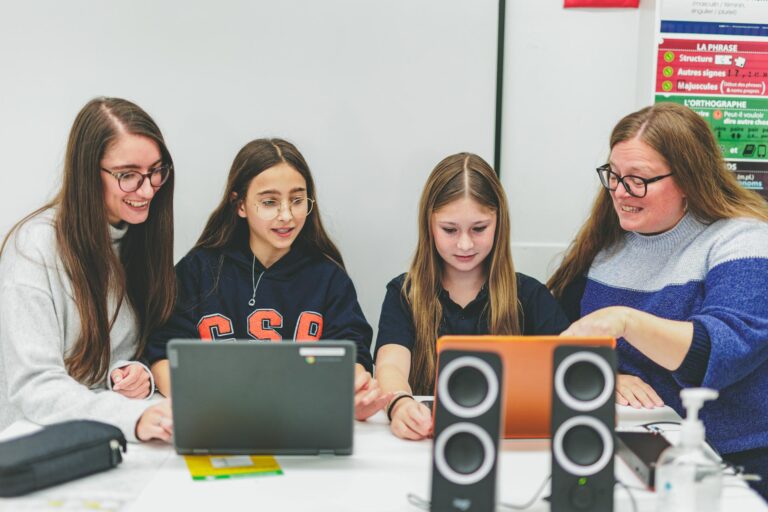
(302, 296)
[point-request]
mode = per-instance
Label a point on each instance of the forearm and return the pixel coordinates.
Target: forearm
(36, 377)
(162, 374)
(666, 342)
(391, 378)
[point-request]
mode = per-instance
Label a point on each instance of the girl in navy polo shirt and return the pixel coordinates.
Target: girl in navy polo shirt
(265, 269)
(461, 281)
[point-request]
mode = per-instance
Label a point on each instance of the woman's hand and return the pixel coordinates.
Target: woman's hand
(611, 321)
(633, 391)
(411, 420)
(156, 423)
(131, 381)
(665, 342)
(369, 398)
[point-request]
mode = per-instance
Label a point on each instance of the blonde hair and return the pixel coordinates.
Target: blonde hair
(457, 176)
(687, 144)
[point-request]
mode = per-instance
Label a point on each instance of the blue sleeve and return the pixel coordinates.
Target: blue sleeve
(396, 319)
(734, 317)
(694, 366)
(344, 319)
(183, 321)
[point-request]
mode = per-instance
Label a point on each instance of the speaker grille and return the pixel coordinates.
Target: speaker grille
(467, 387)
(582, 445)
(464, 453)
(584, 381)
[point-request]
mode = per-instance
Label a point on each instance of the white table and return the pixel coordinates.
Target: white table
(377, 477)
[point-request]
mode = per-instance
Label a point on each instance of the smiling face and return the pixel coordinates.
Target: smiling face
(280, 185)
(463, 231)
(129, 152)
(664, 203)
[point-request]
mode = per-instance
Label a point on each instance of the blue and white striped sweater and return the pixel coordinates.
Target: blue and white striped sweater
(715, 276)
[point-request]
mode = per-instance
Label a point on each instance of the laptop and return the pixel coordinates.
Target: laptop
(248, 397)
(527, 364)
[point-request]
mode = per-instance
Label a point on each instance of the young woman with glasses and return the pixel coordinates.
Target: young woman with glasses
(673, 261)
(84, 279)
(461, 281)
(265, 269)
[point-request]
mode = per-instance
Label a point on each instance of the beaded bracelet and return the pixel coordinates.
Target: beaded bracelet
(394, 401)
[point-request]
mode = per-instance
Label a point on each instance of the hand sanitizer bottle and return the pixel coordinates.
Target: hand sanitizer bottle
(689, 476)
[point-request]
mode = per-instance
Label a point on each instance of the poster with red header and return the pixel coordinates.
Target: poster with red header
(712, 56)
(601, 3)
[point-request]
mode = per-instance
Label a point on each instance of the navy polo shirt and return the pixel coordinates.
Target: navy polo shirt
(541, 314)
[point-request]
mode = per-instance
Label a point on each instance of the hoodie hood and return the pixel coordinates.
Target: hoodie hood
(240, 255)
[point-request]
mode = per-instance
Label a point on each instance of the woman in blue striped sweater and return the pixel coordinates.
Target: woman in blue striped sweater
(673, 262)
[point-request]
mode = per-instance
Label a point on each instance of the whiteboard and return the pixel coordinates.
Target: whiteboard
(374, 94)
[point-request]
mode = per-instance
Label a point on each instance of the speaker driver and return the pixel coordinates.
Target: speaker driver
(584, 381)
(582, 445)
(464, 453)
(467, 387)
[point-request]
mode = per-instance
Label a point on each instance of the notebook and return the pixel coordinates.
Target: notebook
(527, 364)
(262, 398)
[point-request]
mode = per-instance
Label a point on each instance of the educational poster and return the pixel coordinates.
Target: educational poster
(712, 56)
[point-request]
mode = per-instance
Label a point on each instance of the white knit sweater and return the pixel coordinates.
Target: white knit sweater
(39, 324)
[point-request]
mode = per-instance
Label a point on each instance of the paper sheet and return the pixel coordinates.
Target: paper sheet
(109, 491)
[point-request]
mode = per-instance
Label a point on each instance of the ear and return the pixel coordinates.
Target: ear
(239, 205)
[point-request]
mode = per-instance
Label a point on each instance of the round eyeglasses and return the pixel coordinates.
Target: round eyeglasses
(298, 207)
(634, 185)
(131, 181)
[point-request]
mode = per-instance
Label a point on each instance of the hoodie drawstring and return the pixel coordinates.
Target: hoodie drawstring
(254, 282)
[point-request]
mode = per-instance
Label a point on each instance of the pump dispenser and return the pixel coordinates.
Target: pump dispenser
(689, 476)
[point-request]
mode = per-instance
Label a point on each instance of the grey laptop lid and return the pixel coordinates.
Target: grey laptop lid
(257, 397)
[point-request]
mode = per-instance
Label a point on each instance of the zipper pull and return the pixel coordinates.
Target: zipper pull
(116, 456)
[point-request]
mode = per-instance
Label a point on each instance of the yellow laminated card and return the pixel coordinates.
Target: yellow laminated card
(213, 467)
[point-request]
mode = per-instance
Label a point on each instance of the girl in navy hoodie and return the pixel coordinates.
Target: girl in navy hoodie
(265, 269)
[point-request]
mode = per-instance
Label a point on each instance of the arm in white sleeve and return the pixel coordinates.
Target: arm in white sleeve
(32, 357)
(122, 364)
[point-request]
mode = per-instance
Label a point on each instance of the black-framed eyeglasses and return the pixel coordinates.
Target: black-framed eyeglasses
(131, 181)
(634, 185)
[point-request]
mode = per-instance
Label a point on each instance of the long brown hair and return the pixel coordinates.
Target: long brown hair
(254, 158)
(144, 269)
(455, 177)
(687, 144)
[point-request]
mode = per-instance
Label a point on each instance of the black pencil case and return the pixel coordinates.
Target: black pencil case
(58, 453)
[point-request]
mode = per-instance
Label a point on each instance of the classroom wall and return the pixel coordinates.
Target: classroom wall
(373, 93)
(570, 75)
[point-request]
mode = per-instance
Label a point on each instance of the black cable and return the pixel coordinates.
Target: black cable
(651, 426)
(530, 502)
(418, 501)
(629, 491)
